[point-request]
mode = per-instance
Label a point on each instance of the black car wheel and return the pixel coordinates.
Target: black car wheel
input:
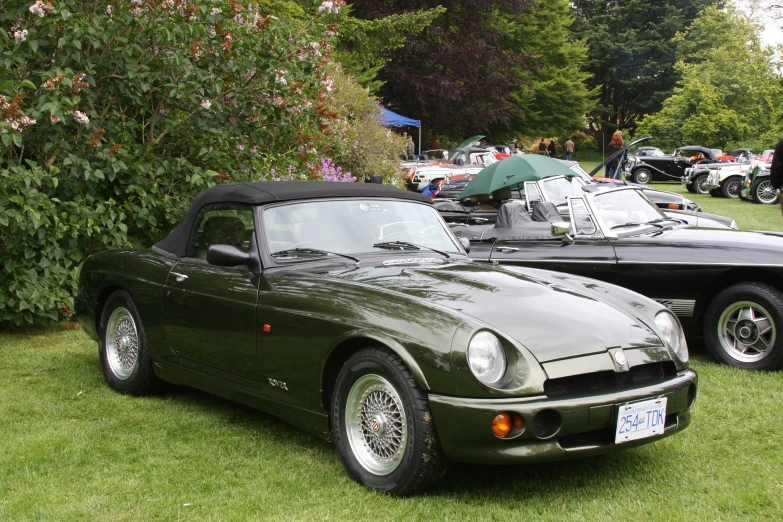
(641, 176)
(382, 425)
(690, 187)
(716, 193)
(125, 359)
(730, 187)
(700, 184)
(763, 192)
(742, 327)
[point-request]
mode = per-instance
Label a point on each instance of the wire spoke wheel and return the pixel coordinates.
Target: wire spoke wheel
(766, 193)
(746, 331)
(376, 425)
(122, 343)
(701, 185)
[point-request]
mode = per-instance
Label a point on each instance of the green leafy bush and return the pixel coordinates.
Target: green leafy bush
(114, 114)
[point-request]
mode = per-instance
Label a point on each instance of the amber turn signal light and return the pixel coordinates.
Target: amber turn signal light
(267, 328)
(501, 425)
(518, 423)
(674, 206)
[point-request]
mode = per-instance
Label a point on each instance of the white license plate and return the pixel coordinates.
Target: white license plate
(640, 420)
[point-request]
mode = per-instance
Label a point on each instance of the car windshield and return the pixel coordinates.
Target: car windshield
(620, 208)
(768, 152)
(558, 190)
(653, 152)
(354, 226)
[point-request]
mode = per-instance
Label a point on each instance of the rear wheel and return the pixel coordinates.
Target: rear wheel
(125, 359)
(763, 192)
(700, 184)
(742, 327)
(382, 425)
(641, 176)
(730, 188)
(690, 188)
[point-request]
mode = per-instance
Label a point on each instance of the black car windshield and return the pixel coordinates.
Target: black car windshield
(558, 190)
(354, 226)
(618, 208)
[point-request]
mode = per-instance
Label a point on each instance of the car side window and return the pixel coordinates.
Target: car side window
(583, 222)
(221, 225)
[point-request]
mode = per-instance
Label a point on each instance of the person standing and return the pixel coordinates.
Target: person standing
(613, 167)
(542, 147)
(411, 148)
(551, 149)
(569, 145)
(776, 172)
(513, 146)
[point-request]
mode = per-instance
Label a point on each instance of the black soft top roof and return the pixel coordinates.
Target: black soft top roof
(259, 193)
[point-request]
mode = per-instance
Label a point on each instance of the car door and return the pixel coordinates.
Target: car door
(210, 311)
(587, 253)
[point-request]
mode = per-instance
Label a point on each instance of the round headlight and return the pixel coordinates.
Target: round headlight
(670, 331)
(486, 358)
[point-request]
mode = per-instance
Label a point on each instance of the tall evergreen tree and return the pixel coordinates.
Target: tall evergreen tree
(554, 97)
(461, 73)
(631, 55)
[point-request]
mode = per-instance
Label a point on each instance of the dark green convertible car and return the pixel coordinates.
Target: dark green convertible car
(351, 311)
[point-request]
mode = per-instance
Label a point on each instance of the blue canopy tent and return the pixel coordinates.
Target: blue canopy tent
(388, 118)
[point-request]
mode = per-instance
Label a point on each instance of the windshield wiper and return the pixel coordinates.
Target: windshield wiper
(402, 245)
(654, 222)
(312, 252)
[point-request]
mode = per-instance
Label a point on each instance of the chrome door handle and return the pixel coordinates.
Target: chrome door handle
(179, 277)
(507, 249)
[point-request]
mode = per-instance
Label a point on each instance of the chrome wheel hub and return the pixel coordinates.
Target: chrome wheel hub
(733, 189)
(376, 425)
(701, 185)
(746, 331)
(122, 343)
(643, 177)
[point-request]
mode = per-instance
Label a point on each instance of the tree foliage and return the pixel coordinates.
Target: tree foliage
(728, 95)
(460, 74)
(115, 115)
(631, 55)
(554, 97)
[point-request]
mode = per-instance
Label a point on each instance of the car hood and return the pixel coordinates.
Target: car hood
(704, 246)
(553, 315)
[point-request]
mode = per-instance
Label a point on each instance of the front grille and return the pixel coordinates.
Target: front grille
(610, 381)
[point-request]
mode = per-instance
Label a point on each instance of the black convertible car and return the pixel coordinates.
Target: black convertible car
(350, 310)
(643, 169)
(726, 284)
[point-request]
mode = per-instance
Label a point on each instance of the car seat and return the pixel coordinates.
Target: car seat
(222, 230)
(545, 211)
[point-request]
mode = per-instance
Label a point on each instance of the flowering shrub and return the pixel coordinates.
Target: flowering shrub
(330, 172)
(114, 114)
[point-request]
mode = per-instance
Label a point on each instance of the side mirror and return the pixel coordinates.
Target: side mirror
(226, 255)
(562, 228)
(465, 242)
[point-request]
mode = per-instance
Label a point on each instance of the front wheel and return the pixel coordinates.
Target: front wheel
(742, 327)
(641, 176)
(690, 188)
(125, 360)
(763, 192)
(382, 425)
(730, 188)
(700, 184)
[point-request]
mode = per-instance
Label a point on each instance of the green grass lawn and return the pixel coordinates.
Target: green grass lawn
(72, 449)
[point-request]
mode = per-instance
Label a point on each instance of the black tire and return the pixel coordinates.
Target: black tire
(141, 379)
(423, 463)
(698, 184)
(716, 193)
(768, 303)
(730, 188)
(762, 191)
(690, 188)
(641, 176)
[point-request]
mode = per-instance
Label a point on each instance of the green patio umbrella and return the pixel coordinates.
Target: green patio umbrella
(514, 171)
